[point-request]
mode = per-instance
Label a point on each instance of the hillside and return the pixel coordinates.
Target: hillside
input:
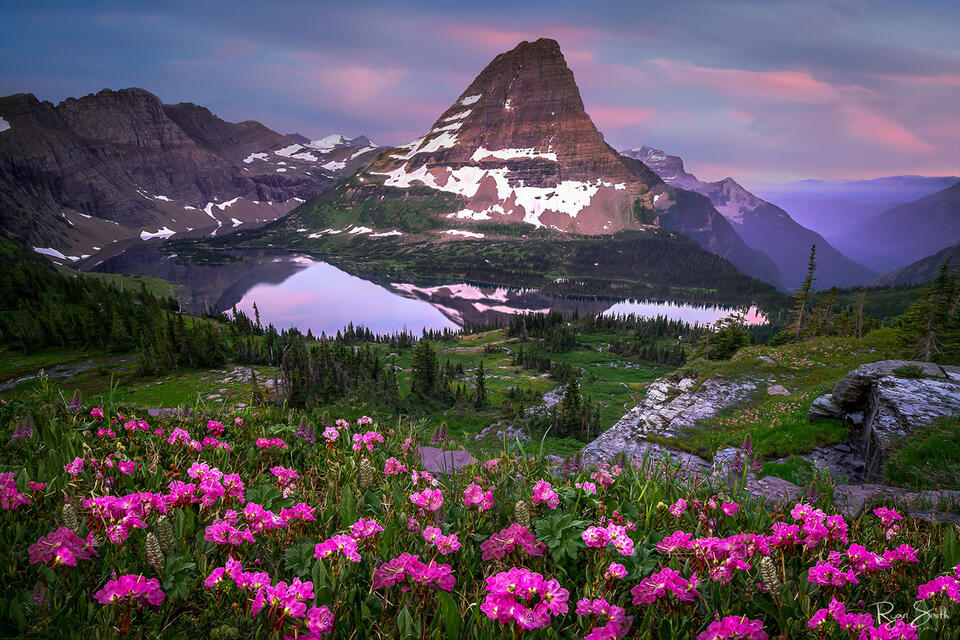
(907, 233)
(78, 176)
(762, 225)
(922, 271)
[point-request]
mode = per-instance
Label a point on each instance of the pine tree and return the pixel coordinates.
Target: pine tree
(930, 328)
(480, 399)
(794, 329)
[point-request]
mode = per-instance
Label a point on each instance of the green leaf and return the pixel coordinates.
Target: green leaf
(451, 615)
(405, 624)
(348, 507)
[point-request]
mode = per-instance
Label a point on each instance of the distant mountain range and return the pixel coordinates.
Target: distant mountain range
(922, 271)
(764, 226)
(909, 232)
(835, 207)
(88, 172)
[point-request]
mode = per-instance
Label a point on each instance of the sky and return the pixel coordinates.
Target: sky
(761, 91)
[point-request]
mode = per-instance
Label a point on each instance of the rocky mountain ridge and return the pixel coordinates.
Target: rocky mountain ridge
(120, 164)
(762, 225)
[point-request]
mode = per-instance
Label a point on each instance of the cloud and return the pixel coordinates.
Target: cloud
(616, 117)
(865, 124)
(793, 86)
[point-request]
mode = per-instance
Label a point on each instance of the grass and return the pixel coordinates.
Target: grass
(778, 425)
(794, 469)
(156, 286)
(929, 458)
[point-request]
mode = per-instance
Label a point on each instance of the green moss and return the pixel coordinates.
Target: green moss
(929, 458)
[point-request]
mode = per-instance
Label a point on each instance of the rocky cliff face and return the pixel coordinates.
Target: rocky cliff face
(518, 146)
(890, 405)
(119, 164)
(762, 225)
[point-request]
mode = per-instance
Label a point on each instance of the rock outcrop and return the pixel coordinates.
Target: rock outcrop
(893, 404)
(666, 410)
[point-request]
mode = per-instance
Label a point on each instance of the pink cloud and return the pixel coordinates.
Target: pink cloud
(742, 116)
(795, 86)
(863, 123)
(615, 117)
(944, 80)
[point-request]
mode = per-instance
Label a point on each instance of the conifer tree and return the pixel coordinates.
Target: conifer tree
(480, 399)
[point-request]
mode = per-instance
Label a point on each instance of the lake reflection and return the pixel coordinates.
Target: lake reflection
(325, 299)
(292, 290)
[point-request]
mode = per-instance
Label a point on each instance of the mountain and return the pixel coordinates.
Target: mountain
(922, 271)
(907, 233)
(835, 207)
(120, 164)
(762, 225)
(517, 146)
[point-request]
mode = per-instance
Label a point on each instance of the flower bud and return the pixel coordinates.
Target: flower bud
(367, 474)
(154, 553)
(69, 517)
(521, 513)
(768, 572)
(164, 533)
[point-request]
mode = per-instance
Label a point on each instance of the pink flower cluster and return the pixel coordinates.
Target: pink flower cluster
(543, 492)
(888, 518)
(508, 540)
(97, 412)
(948, 586)
(285, 601)
(365, 528)
(475, 496)
(859, 560)
(613, 534)
(62, 547)
(361, 440)
(445, 544)
(405, 566)
(10, 496)
(428, 499)
(271, 443)
(131, 586)
(525, 598)
(331, 434)
(215, 427)
(284, 475)
(393, 467)
(734, 627)
(340, 543)
(614, 623)
(665, 582)
(861, 623)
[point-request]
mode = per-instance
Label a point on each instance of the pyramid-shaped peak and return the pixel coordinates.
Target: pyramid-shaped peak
(518, 146)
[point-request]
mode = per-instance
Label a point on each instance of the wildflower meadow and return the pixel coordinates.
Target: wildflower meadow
(247, 525)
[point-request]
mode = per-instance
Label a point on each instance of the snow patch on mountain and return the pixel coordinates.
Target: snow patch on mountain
(508, 154)
(459, 116)
(163, 232)
(4, 125)
(255, 156)
(469, 100)
(465, 234)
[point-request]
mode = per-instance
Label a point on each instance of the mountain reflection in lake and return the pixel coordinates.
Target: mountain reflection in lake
(296, 291)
